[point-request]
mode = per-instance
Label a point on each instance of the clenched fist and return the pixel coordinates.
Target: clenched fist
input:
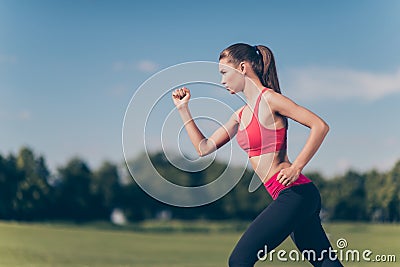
(181, 97)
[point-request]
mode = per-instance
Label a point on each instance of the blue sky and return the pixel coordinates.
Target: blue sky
(69, 69)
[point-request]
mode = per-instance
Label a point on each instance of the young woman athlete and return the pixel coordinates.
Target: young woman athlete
(261, 128)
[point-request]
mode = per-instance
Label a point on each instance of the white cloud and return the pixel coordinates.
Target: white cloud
(315, 83)
(146, 66)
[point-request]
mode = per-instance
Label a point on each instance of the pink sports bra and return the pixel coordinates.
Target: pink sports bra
(255, 139)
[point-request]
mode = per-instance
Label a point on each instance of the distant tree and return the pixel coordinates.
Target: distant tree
(242, 204)
(318, 180)
(345, 197)
(106, 190)
(217, 209)
(10, 177)
(390, 195)
(32, 197)
(135, 202)
(74, 198)
(374, 188)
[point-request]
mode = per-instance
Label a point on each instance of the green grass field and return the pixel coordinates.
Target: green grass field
(208, 244)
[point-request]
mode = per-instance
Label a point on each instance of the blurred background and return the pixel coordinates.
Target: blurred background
(68, 71)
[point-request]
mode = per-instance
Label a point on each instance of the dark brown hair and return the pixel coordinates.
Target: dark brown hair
(261, 59)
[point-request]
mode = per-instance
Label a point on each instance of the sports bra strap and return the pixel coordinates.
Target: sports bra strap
(257, 104)
(241, 111)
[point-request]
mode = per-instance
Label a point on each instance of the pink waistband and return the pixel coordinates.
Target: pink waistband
(274, 187)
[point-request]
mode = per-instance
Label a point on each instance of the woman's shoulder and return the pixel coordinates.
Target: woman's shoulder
(267, 95)
(267, 91)
(274, 101)
(237, 113)
(271, 97)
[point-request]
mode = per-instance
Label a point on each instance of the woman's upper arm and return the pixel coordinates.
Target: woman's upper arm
(226, 132)
(286, 107)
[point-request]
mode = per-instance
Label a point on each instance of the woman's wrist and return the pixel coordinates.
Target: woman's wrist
(297, 167)
(183, 106)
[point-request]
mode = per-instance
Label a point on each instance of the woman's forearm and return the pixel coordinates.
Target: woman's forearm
(199, 141)
(314, 141)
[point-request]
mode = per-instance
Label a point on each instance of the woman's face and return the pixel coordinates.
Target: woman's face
(232, 79)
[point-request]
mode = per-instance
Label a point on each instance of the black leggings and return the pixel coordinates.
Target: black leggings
(296, 213)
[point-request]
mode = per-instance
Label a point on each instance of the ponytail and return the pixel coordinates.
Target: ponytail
(268, 76)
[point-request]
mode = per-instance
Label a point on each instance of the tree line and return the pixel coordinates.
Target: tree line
(75, 192)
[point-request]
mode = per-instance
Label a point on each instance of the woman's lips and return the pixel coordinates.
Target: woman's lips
(230, 91)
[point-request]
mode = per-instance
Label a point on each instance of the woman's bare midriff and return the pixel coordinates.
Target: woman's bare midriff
(266, 165)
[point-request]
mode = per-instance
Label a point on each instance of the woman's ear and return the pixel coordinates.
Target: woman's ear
(242, 67)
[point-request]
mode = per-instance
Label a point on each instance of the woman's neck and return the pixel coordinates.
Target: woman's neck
(252, 90)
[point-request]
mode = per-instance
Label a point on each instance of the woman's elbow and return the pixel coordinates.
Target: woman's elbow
(203, 153)
(201, 148)
(324, 128)
(206, 147)
(321, 127)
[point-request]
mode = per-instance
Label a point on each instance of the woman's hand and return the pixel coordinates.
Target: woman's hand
(181, 97)
(288, 175)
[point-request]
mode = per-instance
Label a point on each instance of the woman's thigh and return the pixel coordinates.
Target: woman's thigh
(271, 227)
